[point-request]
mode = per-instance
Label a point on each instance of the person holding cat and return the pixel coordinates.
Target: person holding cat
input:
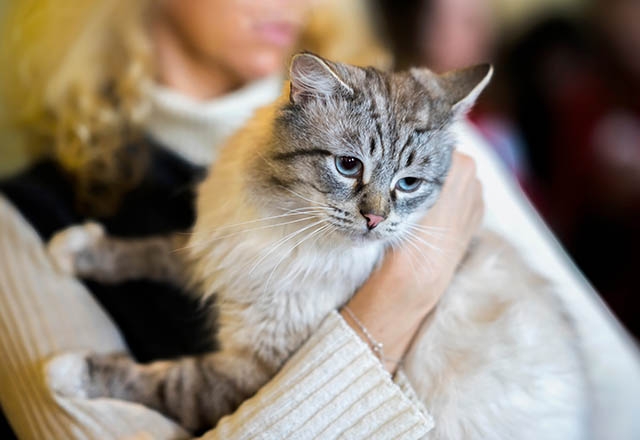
(130, 112)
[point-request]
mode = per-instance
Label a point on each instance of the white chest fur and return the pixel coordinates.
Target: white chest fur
(271, 294)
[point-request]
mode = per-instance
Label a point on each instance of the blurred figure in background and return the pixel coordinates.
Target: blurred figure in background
(456, 33)
(577, 89)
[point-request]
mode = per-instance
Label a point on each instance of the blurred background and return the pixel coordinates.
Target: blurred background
(563, 113)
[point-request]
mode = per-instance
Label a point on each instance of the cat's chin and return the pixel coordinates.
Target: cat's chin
(366, 238)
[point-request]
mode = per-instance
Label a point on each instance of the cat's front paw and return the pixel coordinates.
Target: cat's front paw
(68, 374)
(69, 245)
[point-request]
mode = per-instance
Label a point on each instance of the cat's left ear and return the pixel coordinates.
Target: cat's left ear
(312, 76)
(464, 86)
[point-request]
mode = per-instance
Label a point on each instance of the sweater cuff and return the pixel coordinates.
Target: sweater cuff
(332, 387)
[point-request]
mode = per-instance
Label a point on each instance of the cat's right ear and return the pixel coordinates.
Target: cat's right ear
(312, 77)
(465, 85)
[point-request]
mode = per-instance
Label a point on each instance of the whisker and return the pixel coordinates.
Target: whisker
(328, 230)
(432, 245)
(423, 241)
(267, 161)
(319, 204)
(286, 254)
(320, 208)
(434, 233)
(216, 238)
(280, 242)
(414, 270)
(425, 258)
(443, 252)
(429, 228)
(291, 213)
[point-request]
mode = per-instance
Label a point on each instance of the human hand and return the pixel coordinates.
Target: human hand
(412, 278)
(442, 238)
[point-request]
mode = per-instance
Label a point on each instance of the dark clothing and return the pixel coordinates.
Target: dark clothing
(156, 320)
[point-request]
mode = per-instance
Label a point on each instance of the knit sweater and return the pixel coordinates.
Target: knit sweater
(332, 387)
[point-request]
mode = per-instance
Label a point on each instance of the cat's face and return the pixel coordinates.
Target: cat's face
(365, 153)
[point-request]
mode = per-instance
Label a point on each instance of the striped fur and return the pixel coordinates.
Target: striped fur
(281, 238)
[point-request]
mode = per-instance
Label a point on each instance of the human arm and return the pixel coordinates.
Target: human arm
(333, 386)
(43, 312)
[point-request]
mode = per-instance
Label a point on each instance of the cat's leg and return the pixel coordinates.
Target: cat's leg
(194, 391)
(88, 252)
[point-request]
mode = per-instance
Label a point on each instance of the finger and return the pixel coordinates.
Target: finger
(464, 162)
(462, 171)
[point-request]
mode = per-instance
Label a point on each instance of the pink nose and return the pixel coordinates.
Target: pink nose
(373, 220)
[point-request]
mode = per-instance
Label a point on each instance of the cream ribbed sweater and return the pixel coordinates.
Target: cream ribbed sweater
(334, 387)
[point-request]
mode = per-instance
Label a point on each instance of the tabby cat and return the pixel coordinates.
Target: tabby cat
(292, 219)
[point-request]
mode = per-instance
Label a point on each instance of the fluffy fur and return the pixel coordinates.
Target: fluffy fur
(498, 358)
(281, 239)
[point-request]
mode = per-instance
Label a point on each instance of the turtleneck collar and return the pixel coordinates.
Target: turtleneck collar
(195, 130)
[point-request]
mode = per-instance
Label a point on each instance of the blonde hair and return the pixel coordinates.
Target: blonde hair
(74, 74)
(72, 86)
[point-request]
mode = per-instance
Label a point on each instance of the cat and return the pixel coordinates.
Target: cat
(295, 215)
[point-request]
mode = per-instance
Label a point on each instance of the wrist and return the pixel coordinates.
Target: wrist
(383, 324)
(377, 348)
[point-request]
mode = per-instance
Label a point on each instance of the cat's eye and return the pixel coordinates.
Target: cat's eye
(409, 184)
(348, 166)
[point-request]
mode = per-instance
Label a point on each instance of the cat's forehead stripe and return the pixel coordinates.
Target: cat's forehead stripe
(372, 146)
(409, 161)
(407, 144)
(384, 93)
